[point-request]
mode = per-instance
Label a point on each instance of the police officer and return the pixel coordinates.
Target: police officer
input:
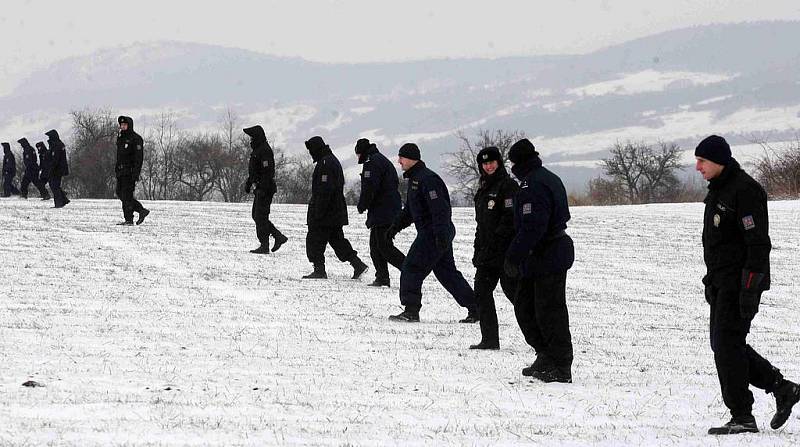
(58, 169)
(44, 167)
(31, 170)
(327, 212)
(494, 214)
(9, 171)
(736, 248)
(428, 207)
(540, 255)
(380, 198)
(261, 173)
(130, 154)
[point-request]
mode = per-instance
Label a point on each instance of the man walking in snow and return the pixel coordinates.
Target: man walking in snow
(130, 155)
(736, 248)
(58, 168)
(261, 173)
(31, 171)
(9, 171)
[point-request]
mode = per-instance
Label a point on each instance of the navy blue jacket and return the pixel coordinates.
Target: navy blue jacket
(29, 158)
(494, 216)
(9, 162)
(261, 167)
(541, 212)
(427, 204)
(379, 194)
(59, 167)
(327, 207)
(130, 152)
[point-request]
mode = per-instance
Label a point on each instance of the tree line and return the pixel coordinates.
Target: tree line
(212, 165)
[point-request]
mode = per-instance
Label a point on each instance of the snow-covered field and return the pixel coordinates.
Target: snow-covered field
(171, 333)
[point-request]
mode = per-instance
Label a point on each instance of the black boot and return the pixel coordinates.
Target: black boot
(472, 316)
(493, 345)
(380, 283)
(745, 424)
(408, 315)
(318, 273)
(555, 374)
(787, 394)
(142, 215)
(358, 267)
(280, 239)
(125, 222)
(261, 250)
(541, 364)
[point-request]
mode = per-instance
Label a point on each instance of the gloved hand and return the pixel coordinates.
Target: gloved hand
(709, 290)
(391, 232)
(750, 295)
(247, 187)
(510, 269)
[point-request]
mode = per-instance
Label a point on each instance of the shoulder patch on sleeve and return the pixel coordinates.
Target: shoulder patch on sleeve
(367, 174)
(748, 222)
(509, 203)
(324, 178)
(265, 163)
(433, 194)
(527, 208)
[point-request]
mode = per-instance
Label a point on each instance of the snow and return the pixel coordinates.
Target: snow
(109, 318)
(649, 81)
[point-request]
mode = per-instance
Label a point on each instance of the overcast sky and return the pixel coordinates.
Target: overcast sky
(37, 32)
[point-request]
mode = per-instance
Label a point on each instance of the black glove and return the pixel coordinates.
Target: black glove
(247, 187)
(750, 296)
(709, 290)
(391, 232)
(511, 269)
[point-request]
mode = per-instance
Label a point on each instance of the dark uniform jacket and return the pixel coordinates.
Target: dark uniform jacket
(261, 167)
(29, 158)
(130, 152)
(494, 214)
(427, 205)
(59, 167)
(9, 162)
(327, 207)
(735, 228)
(44, 161)
(541, 212)
(379, 194)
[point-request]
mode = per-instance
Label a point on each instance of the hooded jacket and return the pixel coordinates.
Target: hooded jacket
(379, 188)
(494, 211)
(541, 212)
(44, 161)
(327, 206)
(59, 167)
(130, 152)
(261, 167)
(29, 158)
(9, 162)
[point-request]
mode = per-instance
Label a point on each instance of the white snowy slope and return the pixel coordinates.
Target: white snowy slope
(171, 333)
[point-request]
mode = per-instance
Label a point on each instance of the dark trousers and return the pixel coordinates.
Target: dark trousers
(27, 179)
(424, 258)
(264, 228)
(317, 240)
(383, 252)
(738, 364)
(541, 310)
(9, 188)
(486, 279)
(59, 198)
(125, 188)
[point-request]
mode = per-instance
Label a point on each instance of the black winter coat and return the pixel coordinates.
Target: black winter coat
(379, 189)
(735, 228)
(130, 152)
(29, 158)
(9, 163)
(59, 167)
(261, 167)
(427, 205)
(327, 207)
(494, 214)
(44, 161)
(541, 212)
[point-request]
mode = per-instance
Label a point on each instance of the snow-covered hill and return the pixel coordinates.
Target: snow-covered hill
(738, 80)
(171, 333)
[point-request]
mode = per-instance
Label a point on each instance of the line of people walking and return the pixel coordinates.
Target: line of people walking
(49, 169)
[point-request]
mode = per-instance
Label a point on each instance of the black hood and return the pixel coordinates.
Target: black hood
(256, 134)
(6, 147)
(52, 135)
(24, 143)
(40, 145)
(317, 148)
(523, 168)
(491, 153)
(364, 149)
(126, 119)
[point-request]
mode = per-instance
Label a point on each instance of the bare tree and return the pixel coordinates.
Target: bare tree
(232, 166)
(160, 176)
(645, 173)
(778, 170)
(462, 164)
(196, 166)
(294, 179)
(93, 154)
